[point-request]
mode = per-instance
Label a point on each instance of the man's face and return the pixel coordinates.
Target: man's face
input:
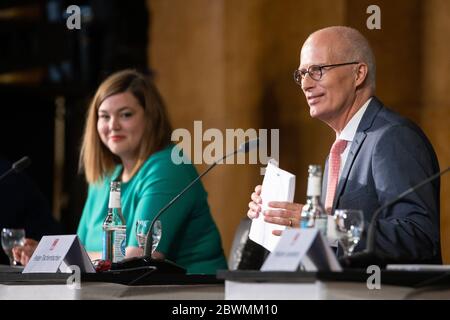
(329, 97)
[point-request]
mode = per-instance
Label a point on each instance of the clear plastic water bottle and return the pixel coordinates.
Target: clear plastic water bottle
(114, 227)
(313, 214)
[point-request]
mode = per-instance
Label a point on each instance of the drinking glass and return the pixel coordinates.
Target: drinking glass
(349, 225)
(10, 239)
(142, 227)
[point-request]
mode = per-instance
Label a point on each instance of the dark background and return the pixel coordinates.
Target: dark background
(41, 60)
(228, 63)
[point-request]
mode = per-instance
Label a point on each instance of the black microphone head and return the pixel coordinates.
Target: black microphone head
(361, 260)
(21, 164)
(249, 145)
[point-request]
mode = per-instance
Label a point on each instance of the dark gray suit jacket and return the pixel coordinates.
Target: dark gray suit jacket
(390, 154)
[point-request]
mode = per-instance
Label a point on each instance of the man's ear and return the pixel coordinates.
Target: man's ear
(361, 73)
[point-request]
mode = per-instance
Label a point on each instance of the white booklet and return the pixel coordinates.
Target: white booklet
(278, 185)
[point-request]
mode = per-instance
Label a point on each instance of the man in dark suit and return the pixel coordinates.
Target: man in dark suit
(377, 153)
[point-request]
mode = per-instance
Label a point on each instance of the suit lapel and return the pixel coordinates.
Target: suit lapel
(366, 122)
(356, 144)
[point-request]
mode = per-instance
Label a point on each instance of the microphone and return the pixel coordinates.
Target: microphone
(166, 266)
(17, 166)
(246, 147)
(243, 148)
(368, 256)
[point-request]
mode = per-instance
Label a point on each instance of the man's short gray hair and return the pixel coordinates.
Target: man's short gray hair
(356, 48)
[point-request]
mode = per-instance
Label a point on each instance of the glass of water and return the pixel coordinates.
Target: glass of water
(349, 225)
(142, 227)
(10, 239)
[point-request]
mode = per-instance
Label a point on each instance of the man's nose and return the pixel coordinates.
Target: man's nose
(307, 82)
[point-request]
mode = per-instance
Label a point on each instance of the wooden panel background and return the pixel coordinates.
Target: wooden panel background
(229, 63)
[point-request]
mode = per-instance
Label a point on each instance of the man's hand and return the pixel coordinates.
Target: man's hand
(282, 213)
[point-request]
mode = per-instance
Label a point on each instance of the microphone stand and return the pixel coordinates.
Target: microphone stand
(165, 266)
(148, 243)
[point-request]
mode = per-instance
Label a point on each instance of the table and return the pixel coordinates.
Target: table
(111, 291)
(54, 286)
(347, 285)
(230, 285)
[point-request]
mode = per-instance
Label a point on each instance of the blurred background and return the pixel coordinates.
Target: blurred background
(228, 63)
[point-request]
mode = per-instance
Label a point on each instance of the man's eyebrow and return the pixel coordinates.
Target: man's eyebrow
(317, 64)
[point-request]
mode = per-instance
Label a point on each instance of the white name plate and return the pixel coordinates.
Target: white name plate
(55, 253)
(302, 246)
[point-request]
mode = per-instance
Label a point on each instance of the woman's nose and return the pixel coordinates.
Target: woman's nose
(114, 124)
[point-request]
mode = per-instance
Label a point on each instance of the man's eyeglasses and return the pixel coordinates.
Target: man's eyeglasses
(315, 71)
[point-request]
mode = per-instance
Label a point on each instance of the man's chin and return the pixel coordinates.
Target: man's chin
(313, 112)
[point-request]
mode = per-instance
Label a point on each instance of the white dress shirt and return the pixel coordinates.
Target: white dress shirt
(349, 132)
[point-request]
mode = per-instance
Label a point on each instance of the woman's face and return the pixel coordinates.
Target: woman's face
(121, 125)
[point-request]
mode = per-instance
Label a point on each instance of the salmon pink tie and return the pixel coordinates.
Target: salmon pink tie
(334, 164)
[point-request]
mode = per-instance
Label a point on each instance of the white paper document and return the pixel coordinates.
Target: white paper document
(56, 253)
(305, 247)
(278, 185)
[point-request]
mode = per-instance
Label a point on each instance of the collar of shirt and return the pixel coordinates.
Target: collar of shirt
(350, 130)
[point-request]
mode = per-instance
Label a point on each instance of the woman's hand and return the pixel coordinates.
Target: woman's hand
(23, 253)
(94, 255)
(138, 252)
(131, 252)
(281, 212)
